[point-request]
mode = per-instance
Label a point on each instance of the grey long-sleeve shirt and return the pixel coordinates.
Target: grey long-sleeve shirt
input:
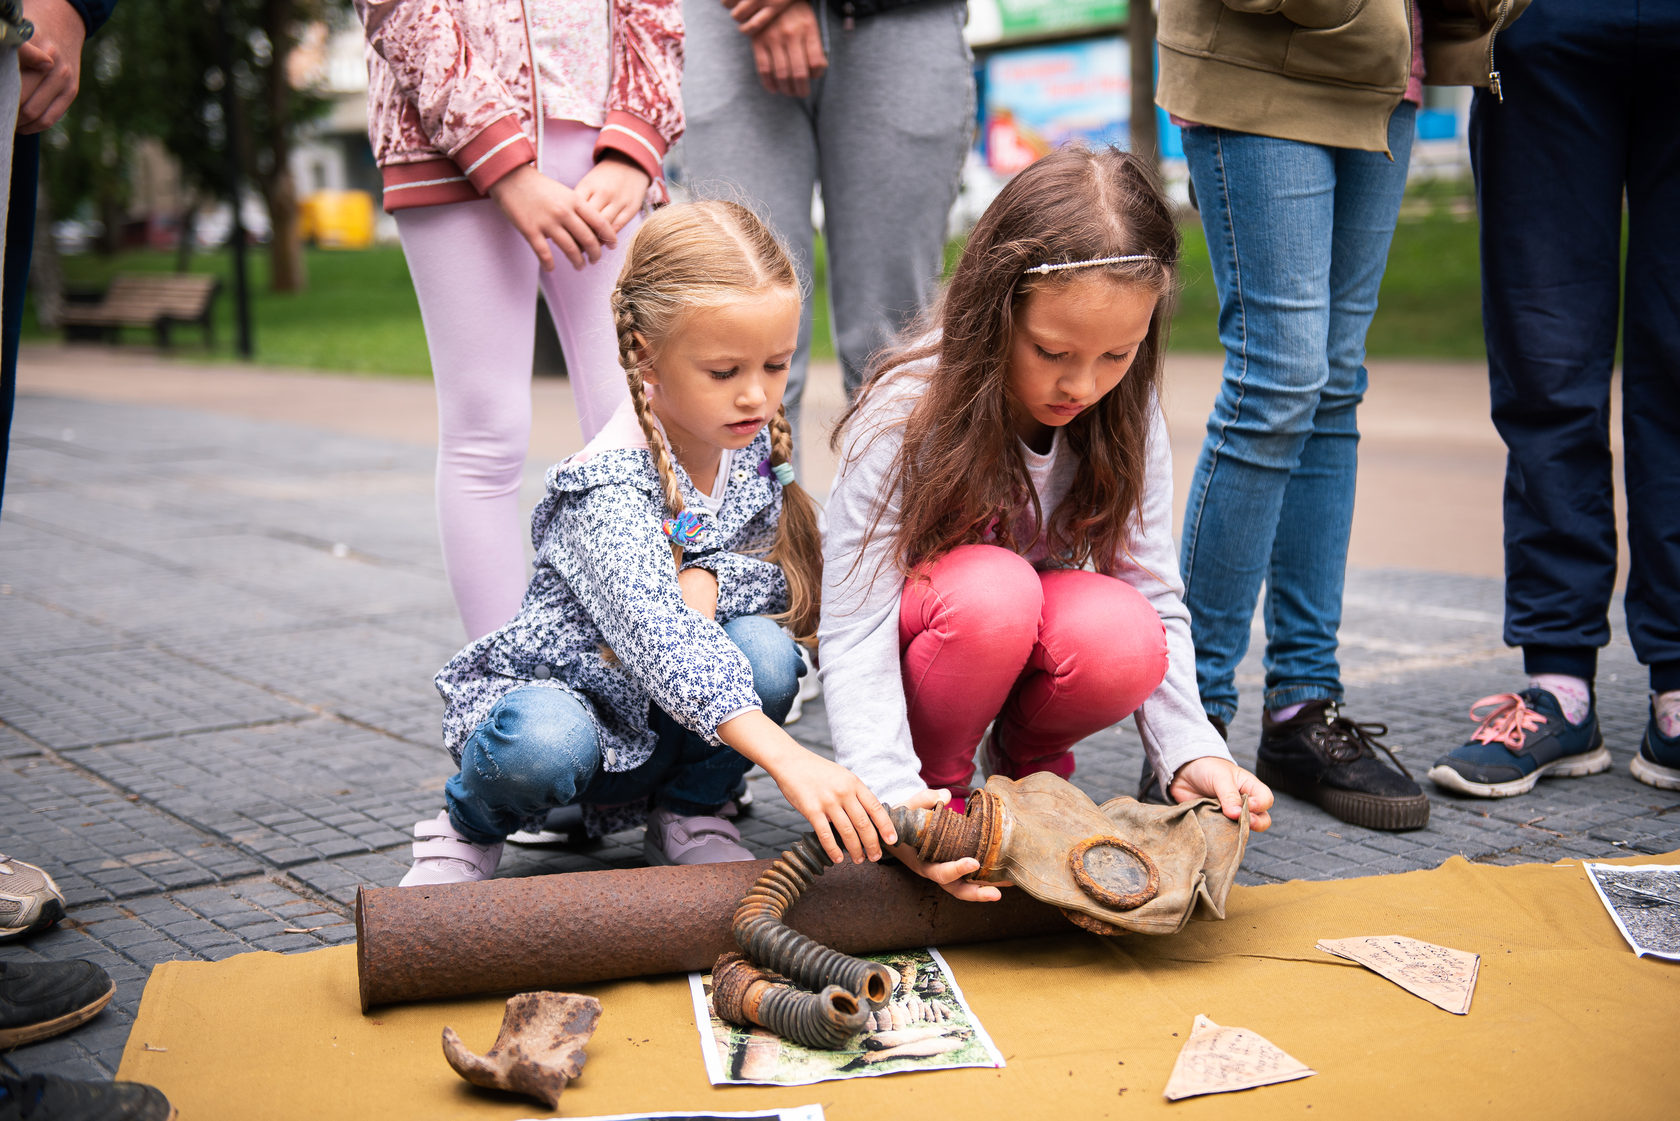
(862, 681)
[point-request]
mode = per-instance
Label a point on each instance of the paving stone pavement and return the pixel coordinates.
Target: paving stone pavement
(216, 715)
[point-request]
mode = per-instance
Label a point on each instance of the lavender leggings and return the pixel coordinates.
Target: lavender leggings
(477, 282)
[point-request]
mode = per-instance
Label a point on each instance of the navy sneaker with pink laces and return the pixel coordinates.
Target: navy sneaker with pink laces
(1523, 737)
(1658, 761)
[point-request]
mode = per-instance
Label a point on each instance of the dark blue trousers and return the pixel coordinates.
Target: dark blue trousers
(20, 243)
(1591, 116)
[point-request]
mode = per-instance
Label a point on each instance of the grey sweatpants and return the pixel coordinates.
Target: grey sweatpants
(885, 131)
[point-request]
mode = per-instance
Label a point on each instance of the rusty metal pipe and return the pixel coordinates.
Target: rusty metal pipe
(769, 941)
(940, 836)
(742, 993)
(553, 932)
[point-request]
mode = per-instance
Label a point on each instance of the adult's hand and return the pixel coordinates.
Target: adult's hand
(752, 16)
(50, 64)
(789, 52)
(544, 211)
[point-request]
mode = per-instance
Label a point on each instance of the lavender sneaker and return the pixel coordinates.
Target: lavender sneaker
(443, 856)
(672, 839)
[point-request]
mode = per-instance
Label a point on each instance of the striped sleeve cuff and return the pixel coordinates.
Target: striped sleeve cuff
(635, 139)
(494, 152)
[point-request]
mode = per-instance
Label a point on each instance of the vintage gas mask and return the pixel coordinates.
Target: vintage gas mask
(1119, 867)
(1122, 866)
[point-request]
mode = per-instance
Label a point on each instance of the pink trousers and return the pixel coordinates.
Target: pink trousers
(477, 278)
(1052, 657)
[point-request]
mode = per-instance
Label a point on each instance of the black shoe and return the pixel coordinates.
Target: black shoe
(46, 1097)
(1321, 756)
(41, 999)
(1149, 791)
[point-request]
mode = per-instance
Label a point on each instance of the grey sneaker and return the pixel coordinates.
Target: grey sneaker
(703, 839)
(29, 900)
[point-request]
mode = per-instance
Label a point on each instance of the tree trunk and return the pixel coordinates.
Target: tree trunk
(1140, 31)
(285, 247)
(186, 233)
(46, 272)
(111, 219)
(286, 270)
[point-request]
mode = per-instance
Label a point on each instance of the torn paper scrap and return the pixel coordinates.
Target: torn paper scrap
(1217, 1059)
(1443, 976)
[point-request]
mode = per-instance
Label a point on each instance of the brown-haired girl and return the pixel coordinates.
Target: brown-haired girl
(1000, 546)
(648, 669)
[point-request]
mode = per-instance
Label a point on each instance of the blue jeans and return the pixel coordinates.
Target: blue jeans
(1298, 237)
(539, 749)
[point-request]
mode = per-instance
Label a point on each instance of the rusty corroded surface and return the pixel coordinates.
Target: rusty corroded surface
(1114, 872)
(1095, 926)
(743, 993)
(940, 836)
(539, 1049)
(763, 934)
(549, 932)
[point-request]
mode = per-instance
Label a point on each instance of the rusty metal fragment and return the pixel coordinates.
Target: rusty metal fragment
(539, 1049)
(742, 993)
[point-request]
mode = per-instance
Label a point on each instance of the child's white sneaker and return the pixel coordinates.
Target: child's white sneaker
(443, 856)
(810, 688)
(672, 839)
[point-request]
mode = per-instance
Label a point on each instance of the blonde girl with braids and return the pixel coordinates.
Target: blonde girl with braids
(649, 669)
(1000, 577)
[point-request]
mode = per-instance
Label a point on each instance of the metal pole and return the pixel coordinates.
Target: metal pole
(231, 143)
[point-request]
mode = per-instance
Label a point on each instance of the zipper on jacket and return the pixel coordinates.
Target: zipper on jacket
(536, 79)
(848, 9)
(1493, 70)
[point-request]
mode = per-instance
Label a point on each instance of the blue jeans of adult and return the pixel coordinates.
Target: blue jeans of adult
(1298, 238)
(539, 750)
(1588, 120)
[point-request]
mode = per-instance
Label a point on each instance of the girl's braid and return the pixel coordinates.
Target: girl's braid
(797, 550)
(781, 437)
(630, 357)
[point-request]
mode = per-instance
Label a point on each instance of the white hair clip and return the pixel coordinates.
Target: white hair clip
(1046, 269)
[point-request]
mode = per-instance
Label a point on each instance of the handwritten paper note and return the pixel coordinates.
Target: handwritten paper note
(1216, 1060)
(1441, 975)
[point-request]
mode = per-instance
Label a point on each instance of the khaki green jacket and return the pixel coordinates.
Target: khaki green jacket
(1320, 71)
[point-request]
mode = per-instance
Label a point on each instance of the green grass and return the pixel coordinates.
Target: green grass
(359, 313)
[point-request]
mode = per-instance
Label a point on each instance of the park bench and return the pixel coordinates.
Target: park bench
(154, 300)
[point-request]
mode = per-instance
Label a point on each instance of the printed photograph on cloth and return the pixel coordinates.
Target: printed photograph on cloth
(927, 1025)
(1644, 899)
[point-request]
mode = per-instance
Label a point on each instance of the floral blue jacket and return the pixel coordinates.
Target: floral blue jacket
(604, 580)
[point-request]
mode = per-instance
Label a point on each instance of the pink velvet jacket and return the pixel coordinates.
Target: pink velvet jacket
(453, 97)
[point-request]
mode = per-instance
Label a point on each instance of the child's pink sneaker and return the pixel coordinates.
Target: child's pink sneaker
(443, 856)
(691, 840)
